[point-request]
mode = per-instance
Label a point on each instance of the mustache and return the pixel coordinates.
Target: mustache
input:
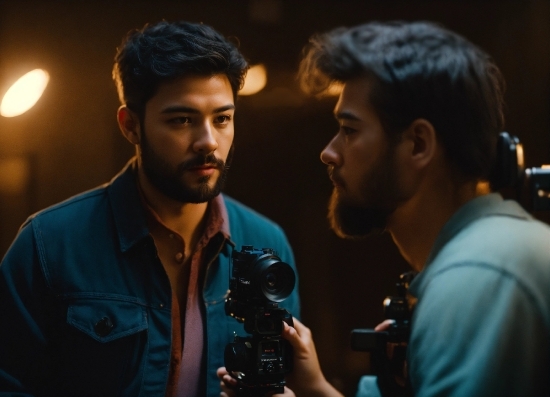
(209, 159)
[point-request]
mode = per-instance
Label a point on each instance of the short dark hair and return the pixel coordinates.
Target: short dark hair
(418, 70)
(169, 50)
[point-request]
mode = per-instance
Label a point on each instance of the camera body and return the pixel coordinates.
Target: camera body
(259, 282)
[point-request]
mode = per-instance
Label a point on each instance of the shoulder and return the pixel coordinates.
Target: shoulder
(249, 227)
(73, 210)
(495, 261)
(241, 215)
(505, 246)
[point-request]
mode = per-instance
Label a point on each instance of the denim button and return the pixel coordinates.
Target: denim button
(103, 327)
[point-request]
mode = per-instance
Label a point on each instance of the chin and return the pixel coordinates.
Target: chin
(353, 221)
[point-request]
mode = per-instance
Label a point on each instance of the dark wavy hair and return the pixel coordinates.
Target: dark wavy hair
(418, 70)
(166, 51)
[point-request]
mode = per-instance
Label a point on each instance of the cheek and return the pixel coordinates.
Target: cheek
(224, 144)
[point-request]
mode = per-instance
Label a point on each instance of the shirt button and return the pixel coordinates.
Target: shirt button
(161, 305)
(103, 327)
(179, 257)
(171, 235)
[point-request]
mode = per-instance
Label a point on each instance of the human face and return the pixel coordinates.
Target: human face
(186, 138)
(361, 165)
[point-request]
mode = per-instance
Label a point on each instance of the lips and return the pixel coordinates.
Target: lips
(207, 169)
(336, 180)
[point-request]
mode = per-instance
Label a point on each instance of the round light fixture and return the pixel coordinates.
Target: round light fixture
(24, 93)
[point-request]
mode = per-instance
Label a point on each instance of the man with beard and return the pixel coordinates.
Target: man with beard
(419, 114)
(120, 291)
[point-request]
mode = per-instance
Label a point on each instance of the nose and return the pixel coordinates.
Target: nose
(329, 155)
(205, 141)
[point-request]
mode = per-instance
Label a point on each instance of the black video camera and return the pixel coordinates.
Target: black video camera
(259, 281)
(388, 348)
(531, 186)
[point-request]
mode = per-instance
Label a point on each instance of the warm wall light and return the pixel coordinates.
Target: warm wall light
(22, 95)
(15, 173)
(255, 81)
(334, 89)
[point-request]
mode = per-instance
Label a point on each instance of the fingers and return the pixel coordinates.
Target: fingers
(227, 383)
(220, 372)
(384, 325)
(287, 393)
(295, 337)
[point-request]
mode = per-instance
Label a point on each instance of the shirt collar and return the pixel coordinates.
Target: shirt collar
(217, 218)
(130, 215)
(480, 207)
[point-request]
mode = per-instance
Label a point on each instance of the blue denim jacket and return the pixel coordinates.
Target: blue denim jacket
(85, 304)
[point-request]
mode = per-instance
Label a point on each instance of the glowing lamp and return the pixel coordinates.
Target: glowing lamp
(255, 80)
(24, 93)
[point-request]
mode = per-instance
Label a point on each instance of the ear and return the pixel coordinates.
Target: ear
(422, 145)
(129, 125)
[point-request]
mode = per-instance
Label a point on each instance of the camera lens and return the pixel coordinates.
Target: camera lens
(277, 280)
(271, 280)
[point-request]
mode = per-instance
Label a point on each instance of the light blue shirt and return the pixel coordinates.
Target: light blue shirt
(481, 326)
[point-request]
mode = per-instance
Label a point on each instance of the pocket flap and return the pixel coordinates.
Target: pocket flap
(106, 320)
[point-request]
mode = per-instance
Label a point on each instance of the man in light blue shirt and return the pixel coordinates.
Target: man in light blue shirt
(420, 112)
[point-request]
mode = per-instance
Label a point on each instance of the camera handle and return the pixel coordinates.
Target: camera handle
(388, 348)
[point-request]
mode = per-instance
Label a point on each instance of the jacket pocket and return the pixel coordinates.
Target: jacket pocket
(106, 321)
(101, 348)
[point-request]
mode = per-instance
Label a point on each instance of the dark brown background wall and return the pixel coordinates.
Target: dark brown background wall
(69, 142)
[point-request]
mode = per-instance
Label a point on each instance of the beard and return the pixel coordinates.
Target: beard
(357, 219)
(169, 179)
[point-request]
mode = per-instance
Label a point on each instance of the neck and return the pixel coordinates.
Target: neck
(415, 225)
(187, 219)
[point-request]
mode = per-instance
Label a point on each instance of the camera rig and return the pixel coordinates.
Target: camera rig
(388, 348)
(259, 282)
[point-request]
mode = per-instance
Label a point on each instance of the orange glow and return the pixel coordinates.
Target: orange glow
(334, 89)
(255, 81)
(14, 175)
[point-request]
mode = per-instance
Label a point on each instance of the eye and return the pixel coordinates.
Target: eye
(347, 130)
(180, 120)
(223, 119)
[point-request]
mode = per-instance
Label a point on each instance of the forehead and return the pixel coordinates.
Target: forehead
(200, 90)
(354, 100)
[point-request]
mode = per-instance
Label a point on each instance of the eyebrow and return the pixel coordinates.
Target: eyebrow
(186, 109)
(346, 116)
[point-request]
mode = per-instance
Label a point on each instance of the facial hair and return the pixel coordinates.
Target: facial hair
(169, 179)
(380, 197)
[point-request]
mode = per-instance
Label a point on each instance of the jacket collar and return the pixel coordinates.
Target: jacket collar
(130, 215)
(128, 212)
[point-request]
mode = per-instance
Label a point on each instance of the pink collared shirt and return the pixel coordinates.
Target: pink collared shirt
(187, 377)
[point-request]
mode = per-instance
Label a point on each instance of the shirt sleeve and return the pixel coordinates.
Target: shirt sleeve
(368, 387)
(22, 343)
(477, 331)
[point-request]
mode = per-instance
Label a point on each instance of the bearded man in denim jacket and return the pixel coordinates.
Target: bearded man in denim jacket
(120, 291)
